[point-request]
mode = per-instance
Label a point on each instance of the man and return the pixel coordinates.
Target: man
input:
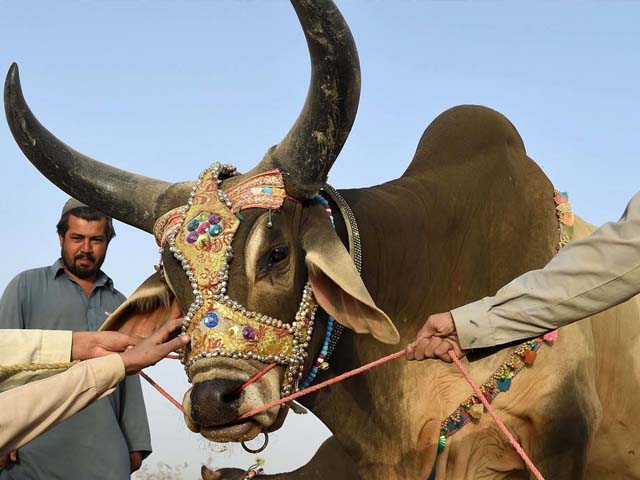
(109, 439)
(584, 278)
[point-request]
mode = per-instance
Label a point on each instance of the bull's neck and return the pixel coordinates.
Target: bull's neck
(394, 223)
(427, 246)
(401, 224)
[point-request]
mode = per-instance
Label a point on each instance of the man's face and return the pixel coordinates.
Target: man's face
(84, 246)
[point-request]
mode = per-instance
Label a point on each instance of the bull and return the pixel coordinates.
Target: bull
(431, 240)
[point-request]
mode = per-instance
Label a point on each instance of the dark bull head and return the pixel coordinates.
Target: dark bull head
(270, 266)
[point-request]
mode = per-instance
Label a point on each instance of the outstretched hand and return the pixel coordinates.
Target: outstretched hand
(435, 339)
(86, 345)
(155, 347)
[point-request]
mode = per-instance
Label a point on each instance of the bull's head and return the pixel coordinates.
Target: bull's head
(256, 308)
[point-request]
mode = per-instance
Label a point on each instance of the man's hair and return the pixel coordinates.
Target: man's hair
(90, 215)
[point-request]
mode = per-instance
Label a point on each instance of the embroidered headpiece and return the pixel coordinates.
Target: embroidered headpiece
(200, 235)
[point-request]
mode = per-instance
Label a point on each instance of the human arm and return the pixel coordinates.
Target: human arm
(86, 345)
(584, 278)
(30, 410)
(23, 347)
(39, 347)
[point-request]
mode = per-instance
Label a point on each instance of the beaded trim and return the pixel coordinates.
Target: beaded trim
(334, 329)
(355, 245)
(565, 217)
(355, 250)
(287, 343)
(500, 380)
(321, 362)
(254, 471)
(264, 190)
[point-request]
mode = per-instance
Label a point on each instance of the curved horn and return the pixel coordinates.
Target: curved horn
(309, 149)
(128, 197)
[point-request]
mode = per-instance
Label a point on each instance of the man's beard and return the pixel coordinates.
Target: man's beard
(81, 271)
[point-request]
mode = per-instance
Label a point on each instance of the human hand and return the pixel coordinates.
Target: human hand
(155, 347)
(86, 345)
(135, 460)
(435, 339)
(9, 459)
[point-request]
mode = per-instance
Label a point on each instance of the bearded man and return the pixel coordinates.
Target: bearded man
(109, 439)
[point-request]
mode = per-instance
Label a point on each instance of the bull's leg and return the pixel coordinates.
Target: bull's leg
(329, 462)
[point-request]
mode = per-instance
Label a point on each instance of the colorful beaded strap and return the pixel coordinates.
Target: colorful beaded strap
(524, 356)
(499, 381)
(321, 362)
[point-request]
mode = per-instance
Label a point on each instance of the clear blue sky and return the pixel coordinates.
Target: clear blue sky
(166, 88)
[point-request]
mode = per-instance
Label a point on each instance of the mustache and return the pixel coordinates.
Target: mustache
(85, 256)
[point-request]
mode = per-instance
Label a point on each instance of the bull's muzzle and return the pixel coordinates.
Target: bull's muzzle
(215, 402)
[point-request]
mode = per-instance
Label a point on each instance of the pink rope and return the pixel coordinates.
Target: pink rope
(256, 377)
(357, 371)
(493, 414)
(162, 391)
(326, 383)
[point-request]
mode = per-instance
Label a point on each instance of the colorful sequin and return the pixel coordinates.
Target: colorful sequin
(211, 319)
(203, 228)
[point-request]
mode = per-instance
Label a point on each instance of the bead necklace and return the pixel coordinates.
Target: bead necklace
(334, 329)
(499, 381)
(524, 356)
(321, 362)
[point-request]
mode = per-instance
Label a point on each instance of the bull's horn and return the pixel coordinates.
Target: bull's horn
(117, 193)
(309, 149)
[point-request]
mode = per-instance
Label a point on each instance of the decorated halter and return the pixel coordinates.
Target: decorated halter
(199, 235)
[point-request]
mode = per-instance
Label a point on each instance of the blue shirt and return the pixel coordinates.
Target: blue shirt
(95, 443)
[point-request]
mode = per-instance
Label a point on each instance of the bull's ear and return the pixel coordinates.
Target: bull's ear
(148, 308)
(337, 285)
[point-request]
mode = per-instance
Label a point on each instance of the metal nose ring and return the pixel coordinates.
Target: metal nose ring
(257, 450)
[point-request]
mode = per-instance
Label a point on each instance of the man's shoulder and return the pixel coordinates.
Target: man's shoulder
(119, 295)
(33, 274)
(37, 270)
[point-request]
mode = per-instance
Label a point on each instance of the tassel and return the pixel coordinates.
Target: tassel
(529, 357)
(504, 384)
(269, 222)
(476, 411)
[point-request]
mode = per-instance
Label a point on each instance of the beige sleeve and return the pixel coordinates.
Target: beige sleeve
(584, 278)
(30, 410)
(22, 347)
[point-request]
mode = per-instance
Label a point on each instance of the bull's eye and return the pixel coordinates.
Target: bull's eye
(274, 262)
(278, 254)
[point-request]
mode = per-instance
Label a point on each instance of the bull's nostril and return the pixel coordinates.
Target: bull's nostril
(215, 402)
(232, 396)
